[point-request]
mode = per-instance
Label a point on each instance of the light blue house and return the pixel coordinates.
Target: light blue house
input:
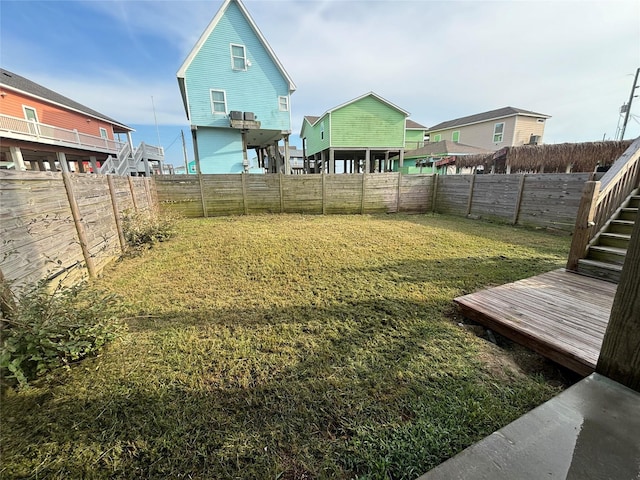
(236, 94)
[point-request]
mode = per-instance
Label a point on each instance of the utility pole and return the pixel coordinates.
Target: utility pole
(631, 96)
(184, 153)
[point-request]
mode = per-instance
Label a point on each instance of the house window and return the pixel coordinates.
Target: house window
(218, 101)
(437, 137)
(498, 131)
(238, 57)
(103, 133)
(30, 113)
(455, 136)
(283, 104)
(322, 131)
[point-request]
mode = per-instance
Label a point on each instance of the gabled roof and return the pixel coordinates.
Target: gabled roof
(32, 89)
(445, 147)
(411, 125)
(313, 119)
(484, 116)
(207, 32)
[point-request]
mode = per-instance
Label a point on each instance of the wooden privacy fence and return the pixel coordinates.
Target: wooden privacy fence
(235, 194)
(53, 222)
(544, 200)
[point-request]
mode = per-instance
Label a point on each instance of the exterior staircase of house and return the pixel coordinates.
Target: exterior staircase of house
(133, 162)
(606, 219)
(607, 251)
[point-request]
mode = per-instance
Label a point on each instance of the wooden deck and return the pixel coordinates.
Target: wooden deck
(561, 315)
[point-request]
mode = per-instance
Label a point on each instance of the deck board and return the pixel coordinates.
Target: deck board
(559, 314)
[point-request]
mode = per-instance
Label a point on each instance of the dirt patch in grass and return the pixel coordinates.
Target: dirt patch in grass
(288, 346)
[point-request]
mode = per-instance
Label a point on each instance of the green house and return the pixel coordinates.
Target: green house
(414, 135)
(358, 136)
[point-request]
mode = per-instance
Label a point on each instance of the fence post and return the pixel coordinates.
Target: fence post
(398, 192)
(364, 188)
(324, 194)
(148, 193)
(584, 224)
(77, 220)
(516, 212)
(132, 189)
(245, 207)
(116, 213)
(434, 200)
(470, 202)
(202, 198)
(281, 196)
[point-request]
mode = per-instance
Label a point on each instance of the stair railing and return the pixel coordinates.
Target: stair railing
(108, 166)
(601, 199)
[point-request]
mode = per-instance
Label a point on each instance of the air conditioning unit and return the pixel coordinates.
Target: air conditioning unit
(235, 115)
(534, 139)
(249, 116)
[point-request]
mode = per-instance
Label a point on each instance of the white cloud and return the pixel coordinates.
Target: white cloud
(437, 59)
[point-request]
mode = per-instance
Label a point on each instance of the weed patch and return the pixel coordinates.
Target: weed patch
(48, 329)
(145, 229)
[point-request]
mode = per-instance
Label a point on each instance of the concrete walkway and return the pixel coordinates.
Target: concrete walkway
(590, 431)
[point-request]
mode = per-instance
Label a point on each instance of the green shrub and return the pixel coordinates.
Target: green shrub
(146, 228)
(47, 329)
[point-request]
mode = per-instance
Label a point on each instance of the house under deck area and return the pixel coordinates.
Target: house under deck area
(358, 160)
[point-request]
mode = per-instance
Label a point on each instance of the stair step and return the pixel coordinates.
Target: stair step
(634, 201)
(607, 254)
(621, 226)
(610, 239)
(602, 270)
(628, 214)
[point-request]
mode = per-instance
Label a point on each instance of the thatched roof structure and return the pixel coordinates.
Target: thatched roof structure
(583, 157)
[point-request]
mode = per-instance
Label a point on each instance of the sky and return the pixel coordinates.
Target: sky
(439, 60)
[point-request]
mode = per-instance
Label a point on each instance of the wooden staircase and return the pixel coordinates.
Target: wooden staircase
(607, 251)
(605, 219)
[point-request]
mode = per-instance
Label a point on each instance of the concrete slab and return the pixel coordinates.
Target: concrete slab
(590, 431)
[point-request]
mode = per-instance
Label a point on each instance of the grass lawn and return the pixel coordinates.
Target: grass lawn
(291, 347)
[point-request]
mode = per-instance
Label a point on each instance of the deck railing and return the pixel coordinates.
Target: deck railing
(151, 151)
(601, 199)
(42, 132)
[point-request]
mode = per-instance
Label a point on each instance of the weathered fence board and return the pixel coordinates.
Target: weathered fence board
(39, 237)
(544, 200)
(223, 194)
(495, 196)
(416, 193)
(552, 200)
(180, 194)
(302, 193)
(453, 194)
(343, 194)
(263, 193)
(380, 193)
(97, 217)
